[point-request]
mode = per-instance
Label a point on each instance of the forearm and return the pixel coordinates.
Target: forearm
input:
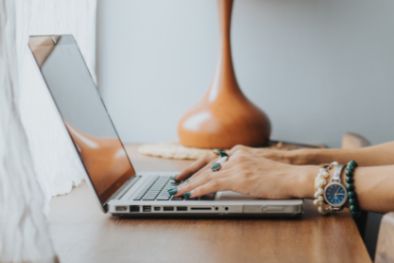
(374, 185)
(382, 154)
(375, 188)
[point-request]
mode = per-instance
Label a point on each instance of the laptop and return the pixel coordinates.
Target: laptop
(119, 188)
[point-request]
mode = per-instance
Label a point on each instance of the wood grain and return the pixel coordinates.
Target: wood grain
(82, 233)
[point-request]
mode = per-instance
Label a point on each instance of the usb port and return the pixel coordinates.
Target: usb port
(157, 208)
(146, 208)
(121, 208)
(168, 208)
(181, 208)
(134, 208)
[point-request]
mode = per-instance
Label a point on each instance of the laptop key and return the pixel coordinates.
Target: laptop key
(163, 197)
(149, 198)
(156, 189)
(143, 191)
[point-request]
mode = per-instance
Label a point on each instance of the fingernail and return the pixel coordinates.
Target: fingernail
(187, 195)
(172, 191)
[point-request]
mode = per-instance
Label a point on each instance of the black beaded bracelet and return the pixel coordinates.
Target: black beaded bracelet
(351, 191)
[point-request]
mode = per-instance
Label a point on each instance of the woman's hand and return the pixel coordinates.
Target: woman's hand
(248, 173)
(299, 157)
(276, 155)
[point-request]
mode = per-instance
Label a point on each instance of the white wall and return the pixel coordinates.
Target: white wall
(319, 68)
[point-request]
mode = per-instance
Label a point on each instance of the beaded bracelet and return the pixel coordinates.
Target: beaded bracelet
(349, 179)
(320, 183)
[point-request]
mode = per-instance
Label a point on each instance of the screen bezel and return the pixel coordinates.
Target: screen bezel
(114, 187)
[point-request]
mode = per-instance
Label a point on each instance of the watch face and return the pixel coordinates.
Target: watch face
(335, 194)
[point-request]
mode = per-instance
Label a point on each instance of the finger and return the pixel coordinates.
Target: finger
(200, 172)
(193, 179)
(203, 178)
(193, 168)
(240, 148)
(275, 155)
(213, 186)
(191, 184)
(235, 149)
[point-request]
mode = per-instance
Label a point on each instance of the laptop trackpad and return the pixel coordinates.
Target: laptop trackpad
(229, 195)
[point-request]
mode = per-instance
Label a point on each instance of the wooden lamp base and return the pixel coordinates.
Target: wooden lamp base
(224, 117)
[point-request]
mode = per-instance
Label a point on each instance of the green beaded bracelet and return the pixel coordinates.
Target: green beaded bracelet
(349, 179)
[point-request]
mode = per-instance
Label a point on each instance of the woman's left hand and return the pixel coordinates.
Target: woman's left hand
(246, 173)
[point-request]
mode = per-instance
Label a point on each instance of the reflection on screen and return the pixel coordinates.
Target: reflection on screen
(83, 112)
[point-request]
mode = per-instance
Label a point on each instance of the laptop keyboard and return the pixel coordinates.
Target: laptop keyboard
(158, 190)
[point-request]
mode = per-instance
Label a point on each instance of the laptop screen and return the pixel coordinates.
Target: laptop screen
(83, 111)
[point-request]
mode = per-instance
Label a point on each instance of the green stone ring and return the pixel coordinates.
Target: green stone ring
(220, 153)
(223, 157)
(216, 167)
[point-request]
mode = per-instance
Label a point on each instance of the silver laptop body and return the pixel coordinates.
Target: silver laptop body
(120, 190)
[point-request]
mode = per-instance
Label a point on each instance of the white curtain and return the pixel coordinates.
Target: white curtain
(37, 160)
(24, 231)
(56, 162)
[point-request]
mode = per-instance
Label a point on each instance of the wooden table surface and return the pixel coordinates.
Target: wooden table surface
(83, 233)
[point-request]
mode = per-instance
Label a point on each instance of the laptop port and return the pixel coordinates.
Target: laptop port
(181, 208)
(157, 208)
(168, 208)
(146, 208)
(121, 208)
(201, 208)
(134, 208)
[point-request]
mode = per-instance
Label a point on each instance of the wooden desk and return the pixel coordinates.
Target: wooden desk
(82, 233)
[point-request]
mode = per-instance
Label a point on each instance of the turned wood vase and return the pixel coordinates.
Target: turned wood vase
(224, 117)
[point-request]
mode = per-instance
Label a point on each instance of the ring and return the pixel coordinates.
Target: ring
(216, 167)
(223, 157)
(220, 153)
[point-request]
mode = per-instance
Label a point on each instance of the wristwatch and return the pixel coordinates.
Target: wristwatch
(335, 193)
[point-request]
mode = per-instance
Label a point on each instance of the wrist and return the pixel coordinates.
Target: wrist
(318, 156)
(301, 181)
(303, 156)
